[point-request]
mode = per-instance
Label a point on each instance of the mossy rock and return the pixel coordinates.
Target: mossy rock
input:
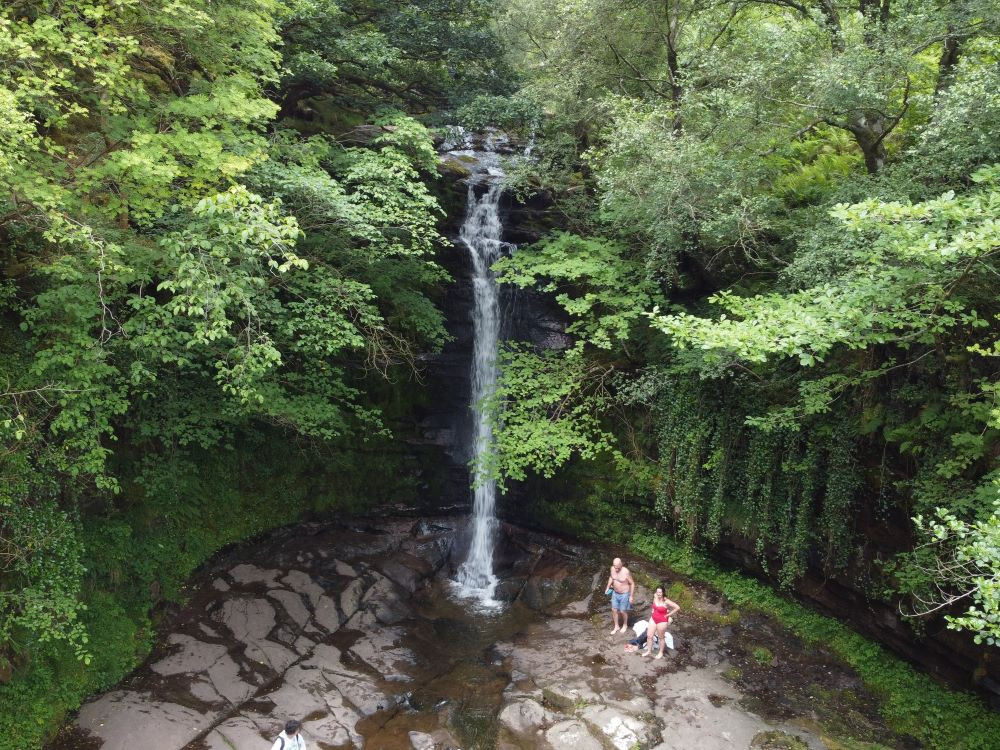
(846, 743)
(683, 595)
(452, 168)
(763, 656)
(776, 740)
(559, 701)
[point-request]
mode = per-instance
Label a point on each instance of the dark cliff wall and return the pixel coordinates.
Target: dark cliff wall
(436, 434)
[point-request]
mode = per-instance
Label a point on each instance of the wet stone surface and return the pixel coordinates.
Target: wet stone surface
(354, 630)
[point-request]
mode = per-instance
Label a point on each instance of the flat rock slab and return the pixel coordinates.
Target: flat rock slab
(571, 735)
(239, 732)
(293, 605)
(255, 636)
(379, 650)
(190, 655)
(126, 720)
(246, 573)
(248, 619)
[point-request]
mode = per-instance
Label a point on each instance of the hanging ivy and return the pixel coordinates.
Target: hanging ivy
(784, 489)
(842, 484)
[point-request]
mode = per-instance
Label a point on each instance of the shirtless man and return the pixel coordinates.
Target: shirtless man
(623, 587)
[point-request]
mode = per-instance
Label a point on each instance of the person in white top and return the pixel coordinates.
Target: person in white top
(291, 738)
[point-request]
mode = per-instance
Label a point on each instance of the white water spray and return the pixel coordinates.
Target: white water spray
(481, 235)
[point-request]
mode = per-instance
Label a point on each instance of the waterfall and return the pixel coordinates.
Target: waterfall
(480, 234)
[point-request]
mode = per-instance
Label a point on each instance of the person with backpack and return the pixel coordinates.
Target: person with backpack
(291, 737)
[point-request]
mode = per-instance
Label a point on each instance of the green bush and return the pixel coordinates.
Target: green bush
(506, 112)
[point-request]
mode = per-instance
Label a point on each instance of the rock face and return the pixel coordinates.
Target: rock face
(444, 421)
(952, 657)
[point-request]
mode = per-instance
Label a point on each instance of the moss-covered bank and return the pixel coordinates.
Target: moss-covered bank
(911, 702)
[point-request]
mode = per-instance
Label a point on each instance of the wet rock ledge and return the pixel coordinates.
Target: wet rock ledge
(352, 629)
(256, 643)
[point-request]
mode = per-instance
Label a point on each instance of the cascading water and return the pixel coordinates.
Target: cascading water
(480, 234)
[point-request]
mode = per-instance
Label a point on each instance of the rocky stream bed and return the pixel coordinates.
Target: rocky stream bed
(353, 629)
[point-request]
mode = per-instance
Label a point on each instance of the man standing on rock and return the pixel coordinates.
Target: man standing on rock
(622, 591)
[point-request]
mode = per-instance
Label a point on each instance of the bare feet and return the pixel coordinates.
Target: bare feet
(647, 653)
(658, 656)
(615, 630)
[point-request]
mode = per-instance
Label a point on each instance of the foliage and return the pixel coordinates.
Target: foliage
(217, 239)
(603, 290)
(198, 247)
(902, 281)
(801, 196)
(506, 112)
(967, 560)
(349, 56)
(42, 549)
(543, 413)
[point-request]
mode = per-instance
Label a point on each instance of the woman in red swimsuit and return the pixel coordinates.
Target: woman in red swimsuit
(663, 610)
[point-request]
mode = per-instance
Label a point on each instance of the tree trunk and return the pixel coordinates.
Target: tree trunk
(950, 50)
(869, 131)
(832, 18)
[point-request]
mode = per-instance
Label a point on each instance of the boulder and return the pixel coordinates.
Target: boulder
(350, 597)
(523, 716)
(551, 582)
(622, 730)
(571, 735)
(421, 741)
(406, 570)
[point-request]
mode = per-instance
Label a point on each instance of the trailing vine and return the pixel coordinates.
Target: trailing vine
(783, 489)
